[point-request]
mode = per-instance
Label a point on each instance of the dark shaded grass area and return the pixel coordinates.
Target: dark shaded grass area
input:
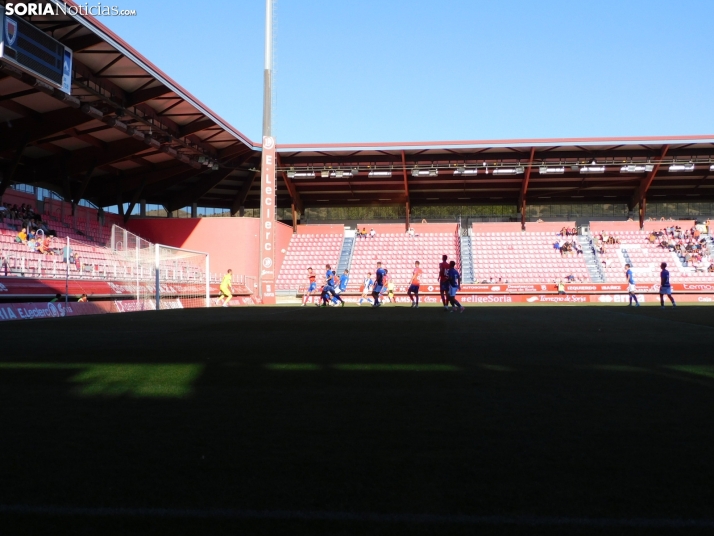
(544, 413)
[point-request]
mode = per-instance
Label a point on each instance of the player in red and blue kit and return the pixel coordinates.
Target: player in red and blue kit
(454, 286)
(378, 284)
(312, 286)
(414, 284)
(444, 281)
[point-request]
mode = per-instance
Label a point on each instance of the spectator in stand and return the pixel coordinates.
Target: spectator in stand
(34, 245)
(561, 287)
(46, 246)
(372, 233)
(83, 299)
(67, 254)
(363, 233)
(21, 237)
(58, 297)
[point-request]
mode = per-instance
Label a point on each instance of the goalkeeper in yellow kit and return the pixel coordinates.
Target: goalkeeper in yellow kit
(226, 289)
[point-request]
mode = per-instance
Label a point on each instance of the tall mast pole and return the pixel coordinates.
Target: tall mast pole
(268, 71)
(266, 269)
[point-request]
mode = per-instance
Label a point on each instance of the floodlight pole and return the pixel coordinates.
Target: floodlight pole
(266, 266)
(268, 71)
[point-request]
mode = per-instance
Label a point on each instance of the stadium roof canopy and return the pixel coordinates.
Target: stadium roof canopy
(609, 170)
(127, 132)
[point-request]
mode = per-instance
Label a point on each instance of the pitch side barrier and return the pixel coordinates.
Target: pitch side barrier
(575, 293)
(535, 299)
(18, 289)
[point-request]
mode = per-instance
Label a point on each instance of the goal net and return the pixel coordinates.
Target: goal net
(160, 277)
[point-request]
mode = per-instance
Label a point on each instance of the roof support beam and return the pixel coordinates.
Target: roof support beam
(134, 199)
(77, 44)
(132, 182)
(83, 187)
(82, 159)
(645, 184)
(195, 191)
(44, 126)
(196, 126)
(155, 187)
(524, 189)
(143, 95)
(12, 168)
(242, 195)
(292, 190)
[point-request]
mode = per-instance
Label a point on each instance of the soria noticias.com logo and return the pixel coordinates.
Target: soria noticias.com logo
(60, 8)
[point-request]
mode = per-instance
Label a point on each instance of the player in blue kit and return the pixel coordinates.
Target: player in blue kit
(454, 278)
(341, 287)
(330, 289)
(378, 284)
(665, 288)
(631, 285)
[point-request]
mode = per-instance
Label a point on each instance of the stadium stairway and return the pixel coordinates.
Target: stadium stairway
(591, 259)
(348, 248)
(645, 259)
(467, 260)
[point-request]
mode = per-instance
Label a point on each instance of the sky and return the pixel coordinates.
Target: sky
(425, 70)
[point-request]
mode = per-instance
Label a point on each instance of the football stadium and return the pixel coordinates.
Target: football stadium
(208, 334)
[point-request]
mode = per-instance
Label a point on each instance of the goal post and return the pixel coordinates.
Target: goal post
(182, 278)
(160, 276)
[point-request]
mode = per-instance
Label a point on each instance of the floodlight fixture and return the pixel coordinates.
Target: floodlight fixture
(433, 172)
(551, 170)
(592, 169)
(466, 171)
(637, 168)
(340, 174)
(375, 173)
(711, 168)
(292, 174)
(509, 171)
(681, 168)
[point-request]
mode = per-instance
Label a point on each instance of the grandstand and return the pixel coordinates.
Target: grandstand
(282, 420)
(110, 143)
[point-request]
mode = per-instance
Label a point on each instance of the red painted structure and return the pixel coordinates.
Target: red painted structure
(230, 242)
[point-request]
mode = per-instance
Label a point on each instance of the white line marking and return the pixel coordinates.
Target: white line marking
(369, 517)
